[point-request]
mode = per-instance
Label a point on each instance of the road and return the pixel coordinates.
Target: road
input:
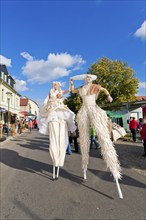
(28, 192)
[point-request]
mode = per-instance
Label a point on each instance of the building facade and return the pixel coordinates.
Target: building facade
(9, 97)
(28, 106)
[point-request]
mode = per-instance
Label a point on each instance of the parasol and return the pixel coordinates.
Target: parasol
(25, 113)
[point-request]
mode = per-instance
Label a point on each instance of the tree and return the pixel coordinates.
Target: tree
(117, 77)
(74, 102)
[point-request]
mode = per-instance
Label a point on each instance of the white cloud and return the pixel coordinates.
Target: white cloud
(141, 32)
(54, 67)
(20, 85)
(26, 56)
(4, 60)
(142, 85)
(63, 84)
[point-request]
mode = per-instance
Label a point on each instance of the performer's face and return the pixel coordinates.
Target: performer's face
(88, 79)
(56, 86)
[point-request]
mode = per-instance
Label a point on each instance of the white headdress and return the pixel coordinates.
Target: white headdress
(56, 82)
(83, 77)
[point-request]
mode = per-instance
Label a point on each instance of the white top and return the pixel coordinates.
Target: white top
(88, 100)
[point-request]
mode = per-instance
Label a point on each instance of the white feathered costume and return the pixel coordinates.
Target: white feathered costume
(91, 114)
(55, 120)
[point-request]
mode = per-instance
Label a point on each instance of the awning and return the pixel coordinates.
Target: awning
(20, 115)
(114, 114)
(117, 117)
(25, 113)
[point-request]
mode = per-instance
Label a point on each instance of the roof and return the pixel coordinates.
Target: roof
(23, 101)
(140, 98)
(3, 68)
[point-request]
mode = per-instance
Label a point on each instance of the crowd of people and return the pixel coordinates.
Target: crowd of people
(18, 124)
(138, 127)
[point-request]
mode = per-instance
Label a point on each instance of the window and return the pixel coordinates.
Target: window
(11, 99)
(17, 101)
(5, 77)
(2, 75)
(9, 81)
(3, 95)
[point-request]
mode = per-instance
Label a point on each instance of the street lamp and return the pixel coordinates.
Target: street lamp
(9, 94)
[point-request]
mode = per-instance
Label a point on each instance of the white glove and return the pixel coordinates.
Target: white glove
(71, 81)
(109, 98)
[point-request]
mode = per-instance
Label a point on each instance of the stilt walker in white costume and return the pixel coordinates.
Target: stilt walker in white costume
(56, 119)
(92, 115)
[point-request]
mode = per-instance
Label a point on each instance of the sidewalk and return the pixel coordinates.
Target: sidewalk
(6, 138)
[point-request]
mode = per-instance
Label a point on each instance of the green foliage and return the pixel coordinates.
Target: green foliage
(117, 77)
(74, 102)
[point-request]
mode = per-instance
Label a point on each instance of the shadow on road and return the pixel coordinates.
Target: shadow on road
(130, 156)
(13, 159)
(126, 180)
(34, 144)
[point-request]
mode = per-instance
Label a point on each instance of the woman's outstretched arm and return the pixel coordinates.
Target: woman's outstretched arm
(109, 98)
(72, 89)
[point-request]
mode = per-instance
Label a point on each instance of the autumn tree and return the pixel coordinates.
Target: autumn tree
(117, 77)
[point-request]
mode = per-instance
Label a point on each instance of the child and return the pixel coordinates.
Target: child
(93, 138)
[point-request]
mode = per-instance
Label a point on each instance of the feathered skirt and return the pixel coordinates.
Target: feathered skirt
(95, 117)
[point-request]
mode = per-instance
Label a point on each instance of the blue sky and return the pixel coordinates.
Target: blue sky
(43, 41)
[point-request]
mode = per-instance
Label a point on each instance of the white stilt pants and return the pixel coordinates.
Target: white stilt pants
(58, 135)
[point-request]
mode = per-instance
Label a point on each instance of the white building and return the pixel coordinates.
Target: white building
(28, 106)
(9, 97)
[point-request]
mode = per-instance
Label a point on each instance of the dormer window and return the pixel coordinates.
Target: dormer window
(2, 75)
(5, 77)
(9, 81)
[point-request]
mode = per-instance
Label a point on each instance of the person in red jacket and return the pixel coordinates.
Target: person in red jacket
(133, 125)
(143, 135)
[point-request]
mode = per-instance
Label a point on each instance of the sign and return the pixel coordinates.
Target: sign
(3, 109)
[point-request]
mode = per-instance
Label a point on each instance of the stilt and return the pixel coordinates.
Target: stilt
(119, 189)
(53, 172)
(57, 175)
(85, 175)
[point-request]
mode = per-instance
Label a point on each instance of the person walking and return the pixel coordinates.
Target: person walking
(20, 126)
(133, 126)
(140, 123)
(73, 137)
(16, 125)
(35, 123)
(93, 138)
(143, 135)
(30, 125)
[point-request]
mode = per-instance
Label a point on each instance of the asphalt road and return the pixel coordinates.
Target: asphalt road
(28, 192)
